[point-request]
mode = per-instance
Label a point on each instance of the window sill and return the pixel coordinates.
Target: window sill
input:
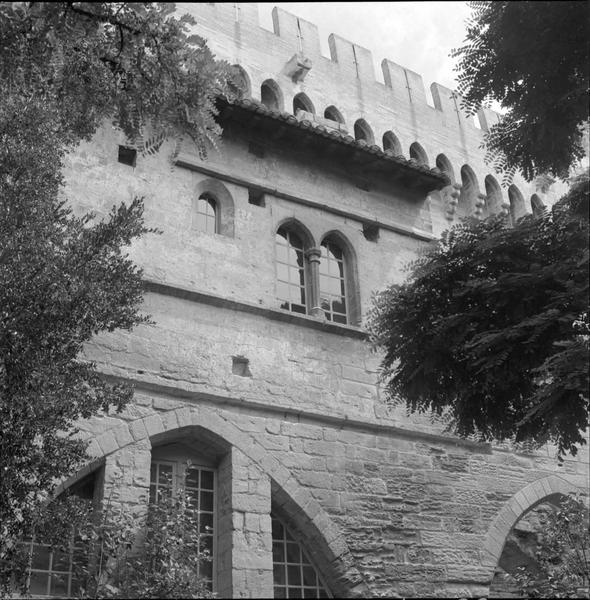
(276, 314)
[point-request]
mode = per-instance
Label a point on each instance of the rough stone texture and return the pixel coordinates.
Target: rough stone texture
(382, 501)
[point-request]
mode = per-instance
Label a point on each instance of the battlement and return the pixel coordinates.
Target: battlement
(395, 114)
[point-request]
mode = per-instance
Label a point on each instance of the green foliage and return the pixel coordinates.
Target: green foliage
(120, 555)
(492, 325)
(533, 58)
(562, 555)
(132, 63)
(67, 68)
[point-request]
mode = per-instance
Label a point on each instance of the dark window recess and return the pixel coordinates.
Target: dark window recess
(371, 231)
(256, 197)
(127, 156)
(256, 149)
(363, 184)
(240, 366)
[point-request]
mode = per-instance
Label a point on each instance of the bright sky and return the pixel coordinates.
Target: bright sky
(416, 35)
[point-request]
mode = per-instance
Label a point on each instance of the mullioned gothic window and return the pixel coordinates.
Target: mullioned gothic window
(314, 281)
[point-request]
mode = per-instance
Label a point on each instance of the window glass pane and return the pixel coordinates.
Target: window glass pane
(280, 592)
(309, 577)
(207, 480)
(332, 282)
(293, 574)
(298, 308)
(59, 584)
(279, 574)
(39, 584)
(301, 577)
(192, 478)
(40, 559)
(293, 555)
(206, 501)
(282, 272)
(206, 523)
(291, 270)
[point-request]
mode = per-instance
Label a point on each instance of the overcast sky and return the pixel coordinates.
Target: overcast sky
(416, 35)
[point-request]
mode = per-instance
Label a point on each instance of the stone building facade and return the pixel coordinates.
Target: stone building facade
(258, 370)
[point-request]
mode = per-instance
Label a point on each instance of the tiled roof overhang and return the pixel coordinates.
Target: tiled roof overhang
(370, 160)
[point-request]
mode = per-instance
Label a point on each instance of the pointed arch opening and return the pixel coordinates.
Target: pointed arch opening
(517, 205)
(333, 114)
(363, 132)
(493, 194)
(537, 206)
(301, 102)
(392, 144)
(419, 154)
(271, 95)
(240, 82)
(444, 165)
(469, 192)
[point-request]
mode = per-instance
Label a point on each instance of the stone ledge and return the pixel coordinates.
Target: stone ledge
(297, 416)
(264, 311)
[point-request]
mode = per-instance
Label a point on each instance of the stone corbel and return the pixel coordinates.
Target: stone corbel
(453, 201)
(479, 204)
(297, 67)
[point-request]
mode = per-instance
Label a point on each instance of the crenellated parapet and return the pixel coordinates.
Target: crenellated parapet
(396, 114)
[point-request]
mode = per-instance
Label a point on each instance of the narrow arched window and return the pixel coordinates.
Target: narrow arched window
(363, 132)
(294, 575)
(333, 282)
(302, 102)
(418, 154)
(391, 143)
(537, 206)
(444, 165)
(239, 82)
(333, 114)
(270, 95)
(290, 265)
(517, 207)
(493, 194)
(207, 217)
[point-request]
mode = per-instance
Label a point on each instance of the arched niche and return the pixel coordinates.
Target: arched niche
(302, 102)
(240, 82)
(271, 95)
(493, 194)
(392, 144)
(444, 165)
(469, 192)
(419, 154)
(363, 132)
(537, 206)
(333, 114)
(517, 205)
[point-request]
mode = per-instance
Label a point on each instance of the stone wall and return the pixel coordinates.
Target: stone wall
(383, 501)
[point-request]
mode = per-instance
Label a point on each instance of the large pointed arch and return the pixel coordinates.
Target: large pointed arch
(331, 551)
(548, 489)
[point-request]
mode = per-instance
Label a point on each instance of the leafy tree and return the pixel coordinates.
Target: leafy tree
(562, 555)
(492, 326)
(533, 58)
(115, 554)
(66, 68)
